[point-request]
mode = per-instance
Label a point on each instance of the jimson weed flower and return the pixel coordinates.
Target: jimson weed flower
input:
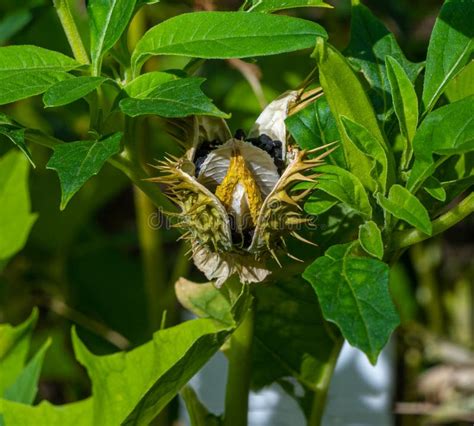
(236, 194)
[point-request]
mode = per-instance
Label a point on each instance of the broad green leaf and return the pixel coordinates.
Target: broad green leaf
(319, 202)
(133, 387)
(17, 136)
(450, 48)
(198, 413)
(402, 204)
(370, 44)
(346, 187)
(142, 86)
(462, 85)
(77, 162)
(370, 238)
(12, 23)
(353, 293)
(291, 337)
(107, 20)
(448, 130)
(30, 70)
(25, 387)
(178, 98)
(222, 35)
(14, 347)
(347, 97)
(16, 218)
(405, 104)
(315, 126)
(77, 414)
(433, 187)
(267, 6)
(367, 144)
(71, 90)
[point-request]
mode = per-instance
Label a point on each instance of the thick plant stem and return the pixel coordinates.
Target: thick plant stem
(239, 373)
(407, 238)
(70, 28)
(322, 387)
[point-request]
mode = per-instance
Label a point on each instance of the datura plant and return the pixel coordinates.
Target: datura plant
(236, 193)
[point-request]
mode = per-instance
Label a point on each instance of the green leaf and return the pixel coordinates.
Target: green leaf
(198, 413)
(353, 293)
(16, 218)
(315, 126)
(25, 388)
(222, 35)
(462, 85)
(405, 104)
(291, 337)
(402, 204)
(370, 44)
(17, 136)
(107, 20)
(319, 203)
(347, 97)
(77, 414)
(71, 90)
(12, 23)
(30, 70)
(14, 347)
(367, 144)
(345, 187)
(267, 6)
(370, 239)
(133, 387)
(448, 130)
(77, 162)
(178, 98)
(142, 86)
(450, 48)
(433, 187)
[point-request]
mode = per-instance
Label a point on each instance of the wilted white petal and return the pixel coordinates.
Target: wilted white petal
(272, 119)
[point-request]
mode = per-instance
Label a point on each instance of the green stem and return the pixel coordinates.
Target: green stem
(322, 387)
(239, 373)
(409, 237)
(72, 33)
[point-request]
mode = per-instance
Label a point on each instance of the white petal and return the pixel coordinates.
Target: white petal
(262, 166)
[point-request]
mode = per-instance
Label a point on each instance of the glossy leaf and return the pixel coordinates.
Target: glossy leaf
(451, 46)
(142, 86)
(319, 202)
(448, 130)
(71, 90)
(347, 97)
(315, 126)
(77, 162)
(370, 44)
(370, 238)
(274, 5)
(227, 35)
(17, 136)
(402, 204)
(462, 85)
(433, 187)
(133, 387)
(16, 218)
(107, 20)
(367, 144)
(14, 347)
(30, 70)
(353, 293)
(178, 98)
(25, 387)
(405, 103)
(345, 187)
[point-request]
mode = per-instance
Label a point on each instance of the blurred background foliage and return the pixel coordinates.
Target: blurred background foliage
(82, 265)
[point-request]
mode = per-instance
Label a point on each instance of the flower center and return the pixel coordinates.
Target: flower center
(238, 176)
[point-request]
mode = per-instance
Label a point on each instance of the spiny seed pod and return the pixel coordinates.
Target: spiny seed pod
(235, 192)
